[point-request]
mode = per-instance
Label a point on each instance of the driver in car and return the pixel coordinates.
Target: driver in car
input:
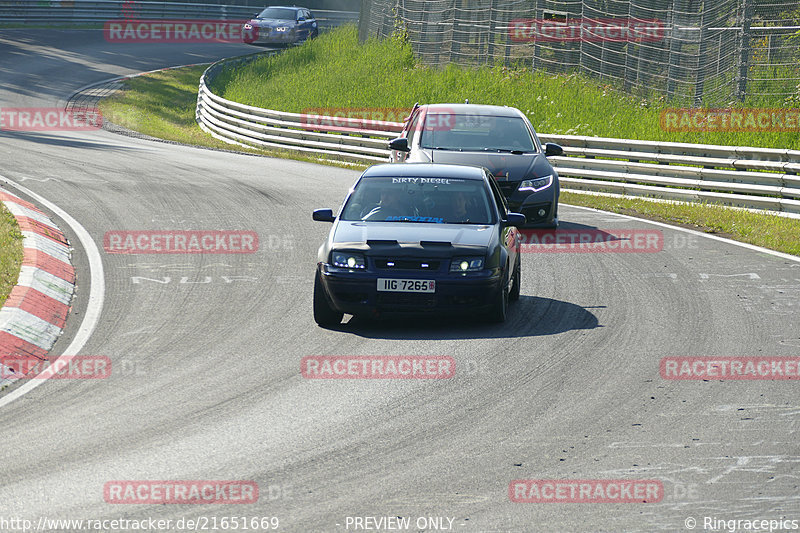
(390, 205)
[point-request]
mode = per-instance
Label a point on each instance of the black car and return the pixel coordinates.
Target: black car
(278, 25)
(415, 239)
(499, 138)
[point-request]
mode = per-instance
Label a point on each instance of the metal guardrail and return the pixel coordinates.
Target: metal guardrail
(755, 178)
(66, 12)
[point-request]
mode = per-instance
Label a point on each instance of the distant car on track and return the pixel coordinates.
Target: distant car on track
(416, 239)
(278, 25)
(498, 138)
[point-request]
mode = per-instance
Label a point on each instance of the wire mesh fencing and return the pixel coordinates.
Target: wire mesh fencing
(697, 52)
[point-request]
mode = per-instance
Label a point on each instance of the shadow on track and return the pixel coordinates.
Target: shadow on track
(65, 142)
(531, 316)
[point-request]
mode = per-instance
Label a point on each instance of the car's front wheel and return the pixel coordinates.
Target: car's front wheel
(500, 305)
(324, 314)
(514, 295)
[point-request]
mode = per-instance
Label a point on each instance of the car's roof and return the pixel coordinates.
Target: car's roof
(424, 170)
(474, 109)
(287, 7)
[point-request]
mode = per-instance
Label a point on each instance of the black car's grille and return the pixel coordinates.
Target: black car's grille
(407, 264)
(405, 299)
(508, 188)
(352, 297)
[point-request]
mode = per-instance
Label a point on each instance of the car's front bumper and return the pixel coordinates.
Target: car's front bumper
(271, 36)
(356, 293)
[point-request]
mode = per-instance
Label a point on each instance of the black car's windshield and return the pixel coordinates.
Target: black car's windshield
(448, 131)
(277, 13)
(417, 199)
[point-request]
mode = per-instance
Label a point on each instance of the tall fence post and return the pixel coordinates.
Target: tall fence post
(702, 64)
(491, 32)
(539, 15)
(363, 20)
(744, 50)
(676, 46)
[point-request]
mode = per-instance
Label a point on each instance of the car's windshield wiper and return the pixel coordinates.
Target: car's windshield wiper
(507, 150)
(442, 148)
(407, 220)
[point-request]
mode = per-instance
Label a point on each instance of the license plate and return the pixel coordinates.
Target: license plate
(406, 285)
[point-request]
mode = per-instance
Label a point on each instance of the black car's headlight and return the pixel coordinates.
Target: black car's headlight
(248, 26)
(281, 28)
(536, 184)
(466, 264)
(348, 260)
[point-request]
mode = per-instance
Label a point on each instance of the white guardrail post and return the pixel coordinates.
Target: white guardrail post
(755, 178)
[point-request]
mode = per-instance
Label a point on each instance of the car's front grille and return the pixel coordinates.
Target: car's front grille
(352, 297)
(407, 264)
(508, 187)
(405, 299)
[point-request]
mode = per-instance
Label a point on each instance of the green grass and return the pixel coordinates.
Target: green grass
(10, 252)
(162, 105)
(769, 231)
(384, 74)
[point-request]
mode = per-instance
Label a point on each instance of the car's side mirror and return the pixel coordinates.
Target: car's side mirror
(553, 149)
(256, 15)
(516, 219)
(400, 144)
(323, 215)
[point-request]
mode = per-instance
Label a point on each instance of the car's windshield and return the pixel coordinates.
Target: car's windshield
(449, 131)
(277, 13)
(418, 199)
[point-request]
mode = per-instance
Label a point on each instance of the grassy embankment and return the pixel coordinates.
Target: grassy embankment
(10, 252)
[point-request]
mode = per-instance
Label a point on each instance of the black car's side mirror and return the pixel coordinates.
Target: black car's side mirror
(516, 219)
(400, 144)
(256, 15)
(323, 215)
(551, 149)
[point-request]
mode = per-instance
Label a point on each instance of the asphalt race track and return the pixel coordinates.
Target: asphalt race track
(207, 352)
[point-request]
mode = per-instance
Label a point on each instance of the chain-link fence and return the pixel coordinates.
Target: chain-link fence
(699, 52)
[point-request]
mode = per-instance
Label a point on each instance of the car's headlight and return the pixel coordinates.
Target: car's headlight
(281, 28)
(348, 260)
(536, 184)
(248, 26)
(466, 264)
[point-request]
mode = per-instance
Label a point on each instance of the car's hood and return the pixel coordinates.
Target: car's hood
(398, 233)
(503, 166)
